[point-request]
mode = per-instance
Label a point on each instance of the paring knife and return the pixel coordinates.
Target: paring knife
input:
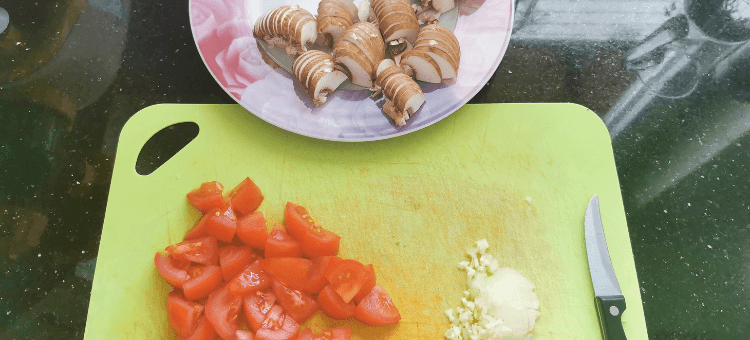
(609, 299)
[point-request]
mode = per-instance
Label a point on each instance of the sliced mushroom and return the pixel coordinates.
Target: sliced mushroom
(442, 6)
(442, 46)
(367, 38)
(401, 26)
(384, 64)
(361, 69)
(403, 96)
(422, 66)
(438, 32)
(352, 8)
(288, 27)
(387, 72)
(364, 12)
(448, 65)
(334, 17)
(430, 10)
(396, 19)
(360, 49)
(317, 71)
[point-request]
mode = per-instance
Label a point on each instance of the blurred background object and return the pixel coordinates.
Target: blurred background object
(697, 46)
(57, 58)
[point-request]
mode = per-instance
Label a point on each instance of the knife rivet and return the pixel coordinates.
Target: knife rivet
(614, 311)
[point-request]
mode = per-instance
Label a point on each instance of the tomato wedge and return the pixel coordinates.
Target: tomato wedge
(377, 308)
(341, 333)
(320, 242)
(246, 197)
(234, 259)
(334, 306)
(298, 305)
(367, 283)
(207, 197)
(316, 279)
(222, 224)
(347, 278)
(172, 270)
(280, 244)
(202, 280)
(291, 271)
(203, 331)
(297, 220)
(277, 326)
(199, 229)
(222, 310)
(203, 250)
(256, 306)
(315, 240)
(182, 314)
(244, 335)
(251, 229)
(252, 279)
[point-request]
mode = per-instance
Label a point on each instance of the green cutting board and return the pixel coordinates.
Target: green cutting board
(519, 175)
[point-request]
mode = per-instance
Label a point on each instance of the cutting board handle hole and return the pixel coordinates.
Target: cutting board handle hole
(163, 145)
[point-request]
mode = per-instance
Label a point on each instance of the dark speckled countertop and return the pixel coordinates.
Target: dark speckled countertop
(671, 80)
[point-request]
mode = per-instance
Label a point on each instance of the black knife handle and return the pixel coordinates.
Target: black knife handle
(611, 308)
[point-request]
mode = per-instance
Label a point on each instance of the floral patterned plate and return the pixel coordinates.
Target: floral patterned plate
(223, 33)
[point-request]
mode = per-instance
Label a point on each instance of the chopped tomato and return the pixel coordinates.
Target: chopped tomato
(280, 244)
(256, 306)
(182, 314)
(203, 250)
(253, 278)
(305, 335)
(207, 197)
(316, 279)
(246, 197)
(234, 259)
(341, 333)
(277, 326)
(377, 308)
(334, 306)
(298, 305)
(222, 224)
(291, 271)
(297, 220)
(275, 292)
(203, 331)
(244, 335)
(172, 270)
(347, 278)
(315, 240)
(201, 281)
(320, 242)
(222, 310)
(367, 284)
(251, 229)
(199, 229)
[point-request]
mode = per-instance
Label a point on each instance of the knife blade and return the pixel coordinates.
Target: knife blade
(609, 299)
